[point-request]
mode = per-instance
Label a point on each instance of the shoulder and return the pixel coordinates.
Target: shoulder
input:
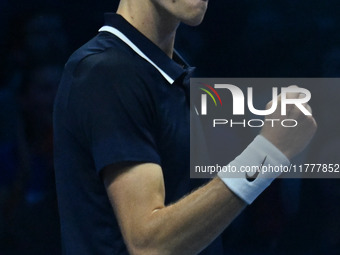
(104, 68)
(102, 53)
(111, 69)
(112, 73)
(111, 62)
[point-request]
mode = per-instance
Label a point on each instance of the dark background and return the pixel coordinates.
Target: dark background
(239, 38)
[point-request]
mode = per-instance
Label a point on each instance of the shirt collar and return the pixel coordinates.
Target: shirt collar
(168, 68)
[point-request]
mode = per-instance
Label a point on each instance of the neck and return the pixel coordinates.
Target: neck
(152, 22)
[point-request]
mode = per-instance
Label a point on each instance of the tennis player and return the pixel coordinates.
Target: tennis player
(121, 126)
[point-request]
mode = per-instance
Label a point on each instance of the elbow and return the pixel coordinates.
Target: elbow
(145, 251)
(143, 245)
(155, 248)
(150, 244)
(135, 249)
(156, 237)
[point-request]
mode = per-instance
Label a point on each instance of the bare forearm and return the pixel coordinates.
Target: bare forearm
(188, 226)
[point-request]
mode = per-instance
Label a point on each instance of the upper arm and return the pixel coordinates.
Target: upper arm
(135, 192)
(117, 116)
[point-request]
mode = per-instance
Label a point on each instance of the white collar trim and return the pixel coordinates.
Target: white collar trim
(126, 40)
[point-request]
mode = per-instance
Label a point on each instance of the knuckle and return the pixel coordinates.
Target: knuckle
(268, 105)
(312, 123)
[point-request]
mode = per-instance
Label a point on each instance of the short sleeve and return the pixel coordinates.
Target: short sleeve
(114, 109)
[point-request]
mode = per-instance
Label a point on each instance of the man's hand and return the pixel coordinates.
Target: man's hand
(290, 140)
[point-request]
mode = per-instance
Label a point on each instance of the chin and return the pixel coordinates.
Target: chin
(193, 21)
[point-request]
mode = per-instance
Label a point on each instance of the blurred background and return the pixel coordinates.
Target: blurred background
(239, 38)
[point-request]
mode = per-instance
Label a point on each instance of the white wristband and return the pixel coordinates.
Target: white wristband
(259, 155)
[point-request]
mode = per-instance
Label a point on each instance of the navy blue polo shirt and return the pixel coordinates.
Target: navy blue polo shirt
(121, 100)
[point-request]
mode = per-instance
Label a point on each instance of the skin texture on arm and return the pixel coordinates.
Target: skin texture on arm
(137, 195)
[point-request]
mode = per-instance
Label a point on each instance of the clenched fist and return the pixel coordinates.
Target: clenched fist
(290, 140)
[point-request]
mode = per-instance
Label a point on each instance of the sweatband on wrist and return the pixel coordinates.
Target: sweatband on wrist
(264, 159)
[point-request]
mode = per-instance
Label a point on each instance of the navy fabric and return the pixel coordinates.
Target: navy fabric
(114, 107)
